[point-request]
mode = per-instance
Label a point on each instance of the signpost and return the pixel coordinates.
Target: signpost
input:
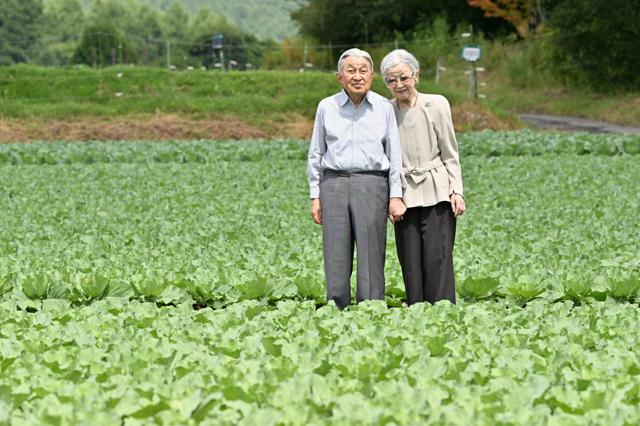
(472, 53)
(217, 43)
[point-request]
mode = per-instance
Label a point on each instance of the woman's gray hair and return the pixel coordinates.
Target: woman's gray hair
(399, 57)
(357, 53)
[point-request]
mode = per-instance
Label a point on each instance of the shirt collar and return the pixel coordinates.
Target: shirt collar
(343, 98)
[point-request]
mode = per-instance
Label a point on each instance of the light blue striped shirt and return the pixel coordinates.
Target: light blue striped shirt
(349, 138)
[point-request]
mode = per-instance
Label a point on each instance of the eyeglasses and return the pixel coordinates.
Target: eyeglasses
(402, 79)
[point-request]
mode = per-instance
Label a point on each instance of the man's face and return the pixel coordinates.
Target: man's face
(356, 76)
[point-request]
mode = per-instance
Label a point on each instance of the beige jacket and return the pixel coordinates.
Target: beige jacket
(430, 160)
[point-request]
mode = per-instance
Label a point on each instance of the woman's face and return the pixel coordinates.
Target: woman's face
(401, 81)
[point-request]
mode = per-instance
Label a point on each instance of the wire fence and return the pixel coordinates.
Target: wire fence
(109, 49)
(439, 62)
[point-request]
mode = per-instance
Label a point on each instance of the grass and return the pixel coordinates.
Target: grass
(505, 100)
(37, 94)
(518, 82)
(50, 93)
(67, 93)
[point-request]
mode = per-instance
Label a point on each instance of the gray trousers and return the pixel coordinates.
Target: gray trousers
(424, 239)
(354, 210)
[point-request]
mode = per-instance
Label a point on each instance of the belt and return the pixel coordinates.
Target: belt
(419, 173)
(344, 173)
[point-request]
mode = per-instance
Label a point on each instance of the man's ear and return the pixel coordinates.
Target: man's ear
(417, 76)
(338, 76)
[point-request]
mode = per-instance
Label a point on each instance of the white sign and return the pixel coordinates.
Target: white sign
(471, 53)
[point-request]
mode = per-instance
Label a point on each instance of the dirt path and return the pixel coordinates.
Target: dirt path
(558, 122)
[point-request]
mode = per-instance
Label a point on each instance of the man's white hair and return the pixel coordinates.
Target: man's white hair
(356, 53)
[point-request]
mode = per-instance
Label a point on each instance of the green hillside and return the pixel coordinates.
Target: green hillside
(264, 18)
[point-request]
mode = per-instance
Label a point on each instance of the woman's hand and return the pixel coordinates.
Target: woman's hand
(396, 209)
(457, 204)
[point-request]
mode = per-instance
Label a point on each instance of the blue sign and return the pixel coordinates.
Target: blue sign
(218, 41)
(471, 53)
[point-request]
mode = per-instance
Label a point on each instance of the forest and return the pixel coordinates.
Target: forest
(559, 35)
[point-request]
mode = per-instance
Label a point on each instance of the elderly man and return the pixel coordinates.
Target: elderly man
(354, 175)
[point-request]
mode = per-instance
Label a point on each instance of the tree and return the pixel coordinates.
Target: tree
(175, 22)
(102, 42)
(20, 29)
(145, 34)
(137, 23)
(522, 14)
(596, 42)
(175, 27)
(239, 46)
(63, 21)
(354, 22)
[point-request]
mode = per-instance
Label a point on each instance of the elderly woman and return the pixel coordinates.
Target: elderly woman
(431, 180)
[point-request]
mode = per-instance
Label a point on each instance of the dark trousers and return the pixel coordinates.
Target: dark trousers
(424, 239)
(354, 210)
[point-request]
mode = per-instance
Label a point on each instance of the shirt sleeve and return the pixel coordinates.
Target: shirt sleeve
(392, 150)
(317, 148)
(448, 146)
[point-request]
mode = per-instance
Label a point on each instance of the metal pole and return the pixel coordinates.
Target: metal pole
(304, 58)
(475, 81)
(470, 88)
(168, 51)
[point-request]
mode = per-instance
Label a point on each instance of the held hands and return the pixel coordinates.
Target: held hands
(316, 211)
(396, 209)
(457, 204)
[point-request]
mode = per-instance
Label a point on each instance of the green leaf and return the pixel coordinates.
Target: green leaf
(309, 286)
(436, 346)
(577, 288)
(255, 289)
(526, 289)
(625, 289)
(94, 286)
(150, 410)
(478, 288)
(203, 409)
(6, 284)
(36, 286)
(150, 287)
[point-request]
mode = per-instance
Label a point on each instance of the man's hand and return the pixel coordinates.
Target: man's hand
(396, 209)
(316, 211)
(457, 204)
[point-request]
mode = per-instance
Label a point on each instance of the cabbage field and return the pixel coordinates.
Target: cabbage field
(181, 283)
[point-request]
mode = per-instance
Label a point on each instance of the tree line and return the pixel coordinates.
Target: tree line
(118, 31)
(592, 42)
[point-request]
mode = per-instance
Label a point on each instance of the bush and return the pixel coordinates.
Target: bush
(103, 40)
(595, 42)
